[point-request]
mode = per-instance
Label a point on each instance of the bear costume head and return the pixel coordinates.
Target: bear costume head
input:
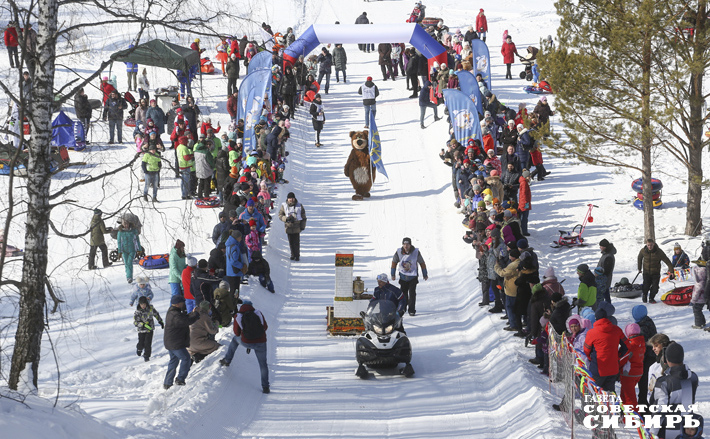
(358, 139)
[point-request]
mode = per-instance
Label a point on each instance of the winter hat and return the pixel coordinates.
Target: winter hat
(142, 280)
(291, 195)
(638, 312)
(549, 273)
(494, 173)
(256, 255)
(177, 299)
(676, 246)
(675, 353)
(556, 297)
(604, 243)
(252, 223)
(526, 173)
(204, 306)
(191, 261)
(600, 314)
(507, 214)
(505, 204)
(495, 233)
(236, 234)
(179, 244)
(407, 240)
(543, 99)
(221, 246)
(514, 253)
(632, 329)
(582, 268)
(98, 211)
(250, 203)
(522, 243)
(382, 277)
(574, 319)
(599, 271)
(143, 299)
(232, 213)
(588, 313)
(482, 204)
(224, 285)
(607, 307)
(476, 187)
(202, 264)
(495, 201)
(537, 289)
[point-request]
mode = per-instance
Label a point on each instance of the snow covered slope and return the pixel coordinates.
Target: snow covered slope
(472, 378)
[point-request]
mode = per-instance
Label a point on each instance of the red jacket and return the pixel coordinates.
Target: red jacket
(186, 276)
(11, 39)
(508, 50)
(206, 125)
(238, 330)
(106, 88)
(232, 105)
(488, 143)
(481, 22)
(637, 350)
(602, 348)
(536, 157)
(176, 134)
(524, 195)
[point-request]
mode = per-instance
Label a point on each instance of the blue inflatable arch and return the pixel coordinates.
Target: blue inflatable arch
(410, 33)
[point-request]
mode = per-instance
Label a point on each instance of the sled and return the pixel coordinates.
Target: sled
(637, 185)
(206, 66)
(626, 291)
(155, 262)
(535, 90)
(130, 122)
(624, 200)
(207, 203)
(95, 104)
(574, 238)
(678, 296)
(683, 275)
(431, 21)
(639, 204)
(656, 195)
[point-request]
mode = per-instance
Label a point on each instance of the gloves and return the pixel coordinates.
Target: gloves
(574, 302)
(671, 275)
(162, 325)
(527, 206)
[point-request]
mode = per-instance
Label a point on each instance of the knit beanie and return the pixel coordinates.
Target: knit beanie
(582, 268)
(675, 353)
(638, 312)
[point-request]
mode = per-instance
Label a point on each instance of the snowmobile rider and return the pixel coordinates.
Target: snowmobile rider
(386, 291)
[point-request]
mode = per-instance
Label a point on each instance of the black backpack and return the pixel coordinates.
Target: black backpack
(252, 328)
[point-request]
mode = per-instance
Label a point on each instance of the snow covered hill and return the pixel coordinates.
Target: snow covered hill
(472, 378)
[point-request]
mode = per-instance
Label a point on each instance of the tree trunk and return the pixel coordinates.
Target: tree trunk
(30, 327)
(649, 227)
(693, 219)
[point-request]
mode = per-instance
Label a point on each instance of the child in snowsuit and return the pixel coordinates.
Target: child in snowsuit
(143, 320)
(141, 289)
(253, 239)
(632, 364)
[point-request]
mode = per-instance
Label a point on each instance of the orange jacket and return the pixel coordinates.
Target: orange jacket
(637, 350)
(524, 195)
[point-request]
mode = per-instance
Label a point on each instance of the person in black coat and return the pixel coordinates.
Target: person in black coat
(176, 339)
(560, 312)
(232, 74)
(412, 71)
(325, 69)
(470, 35)
(423, 68)
(203, 284)
(510, 157)
(260, 267)
(289, 87)
(217, 263)
(607, 260)
(510, 135)
(511, 183)
(83, 109)
(190, 112)
(425, 103)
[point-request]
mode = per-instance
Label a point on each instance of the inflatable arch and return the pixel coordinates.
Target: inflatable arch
(366, 33)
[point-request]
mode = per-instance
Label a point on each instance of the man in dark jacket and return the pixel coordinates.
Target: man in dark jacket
(649, 262)
(83, 109)
(250, 331)
(560, 312)
(677, 386)
(385, 60)
(412, 72)
(511, 182)
(386, 291)
(176, 338)
(425, 102)
(325, 69)
(608, 260)
(362, 19)
(232, 74)
(114, 107)
(203, 284)
(217, 263)
(98, 230)
(340, 60)
(220, 228)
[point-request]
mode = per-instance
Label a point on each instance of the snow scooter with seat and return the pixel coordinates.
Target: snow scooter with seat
(574, 238)
(384, 344)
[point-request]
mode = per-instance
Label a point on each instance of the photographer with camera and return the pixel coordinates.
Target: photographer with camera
(293, 214)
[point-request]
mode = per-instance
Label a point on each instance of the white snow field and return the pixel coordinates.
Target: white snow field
(472, 378)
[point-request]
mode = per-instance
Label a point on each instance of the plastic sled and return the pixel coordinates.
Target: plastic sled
(206, 66)
(678, 296)
(656, 195)
(207, 203)
(536, 90)
(639, 204)
(626, 291)
(130, 122)
(637, 185)
(155, 262)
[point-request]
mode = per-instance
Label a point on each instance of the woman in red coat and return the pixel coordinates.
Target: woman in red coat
(481, 25)
(508, 50)
(632, 364)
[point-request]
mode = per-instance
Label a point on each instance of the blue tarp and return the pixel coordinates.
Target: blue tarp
(63, 131)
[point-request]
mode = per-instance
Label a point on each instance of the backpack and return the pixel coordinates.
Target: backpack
(252, 328)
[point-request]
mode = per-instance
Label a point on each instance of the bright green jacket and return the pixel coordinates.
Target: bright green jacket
(152, 162)
(185, 158)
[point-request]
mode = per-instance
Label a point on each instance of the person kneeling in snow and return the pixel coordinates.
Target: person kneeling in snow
(202, 332)
(250, 331)
(260, 267)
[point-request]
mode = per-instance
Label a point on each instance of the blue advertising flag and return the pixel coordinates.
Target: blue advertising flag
(469, 87)
(464, 116)
(482, 62)
(261, 60)
(376, 146)
(251, 102)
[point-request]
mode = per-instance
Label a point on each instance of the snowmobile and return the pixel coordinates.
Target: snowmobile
(384, 344)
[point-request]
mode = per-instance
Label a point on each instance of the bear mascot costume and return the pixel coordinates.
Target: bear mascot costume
(359, 168)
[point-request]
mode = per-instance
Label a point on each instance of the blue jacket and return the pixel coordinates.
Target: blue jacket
(234, 258)
(139, 292)
(258, 217)
(131, 66)
(393, 294)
